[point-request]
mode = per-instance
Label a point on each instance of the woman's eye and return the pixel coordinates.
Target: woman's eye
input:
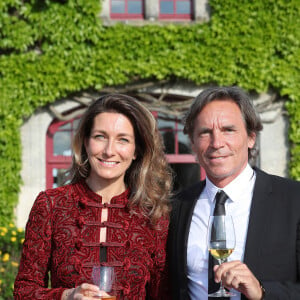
(124, 140)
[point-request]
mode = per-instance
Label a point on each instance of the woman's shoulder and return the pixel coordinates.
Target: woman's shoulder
(68, 191)
(61, 189)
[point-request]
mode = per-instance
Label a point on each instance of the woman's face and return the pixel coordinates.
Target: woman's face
(110, 147)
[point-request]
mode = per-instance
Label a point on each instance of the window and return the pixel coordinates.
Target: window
(137, 11)
(177, 148)
(126, 9)
(58, 150)
(178, 153)
(175, 9)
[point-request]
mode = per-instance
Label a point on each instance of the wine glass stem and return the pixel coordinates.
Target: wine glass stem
(220, 261)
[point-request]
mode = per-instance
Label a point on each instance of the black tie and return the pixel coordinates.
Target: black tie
(219, 210)
(221, 198)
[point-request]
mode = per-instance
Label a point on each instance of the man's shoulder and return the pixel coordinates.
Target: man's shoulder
(261, 174)
(189, 193)
(277, 181)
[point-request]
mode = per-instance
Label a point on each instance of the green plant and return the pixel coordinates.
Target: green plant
(11, 240)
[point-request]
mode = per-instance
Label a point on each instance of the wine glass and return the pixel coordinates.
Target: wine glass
(221, 243)
(104, 278)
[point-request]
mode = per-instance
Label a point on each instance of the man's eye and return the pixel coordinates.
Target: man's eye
(204, 133)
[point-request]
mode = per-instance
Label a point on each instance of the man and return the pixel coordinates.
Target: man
(223, 126)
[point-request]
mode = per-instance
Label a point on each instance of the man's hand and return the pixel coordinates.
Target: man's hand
(237, 275)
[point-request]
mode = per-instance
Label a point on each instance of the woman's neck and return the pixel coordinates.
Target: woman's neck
(107, 190)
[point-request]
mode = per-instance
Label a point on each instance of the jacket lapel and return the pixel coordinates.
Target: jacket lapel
(182, 216)
(186, 216)
(257, 229)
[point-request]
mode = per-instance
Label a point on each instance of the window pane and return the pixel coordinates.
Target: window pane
(134, 7)
(66, 126)
(184, 145)
(185, 175)
(117, 6)
(167, 130)
(58, 177)
(166, 7)
(62, 143)
(76, 124)
(183, 7)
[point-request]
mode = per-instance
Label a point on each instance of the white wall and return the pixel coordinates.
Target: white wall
(274, 152)
(33, 137)
(33, 173)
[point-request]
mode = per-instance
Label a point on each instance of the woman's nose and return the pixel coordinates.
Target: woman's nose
(109, 148)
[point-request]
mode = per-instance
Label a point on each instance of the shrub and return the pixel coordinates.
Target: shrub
(11, 240)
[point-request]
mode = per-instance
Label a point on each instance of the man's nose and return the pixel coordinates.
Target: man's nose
(217, 139)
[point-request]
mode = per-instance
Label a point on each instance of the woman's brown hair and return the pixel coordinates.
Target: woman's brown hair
(149, 176)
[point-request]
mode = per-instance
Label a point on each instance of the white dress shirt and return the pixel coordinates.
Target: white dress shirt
(240, 192)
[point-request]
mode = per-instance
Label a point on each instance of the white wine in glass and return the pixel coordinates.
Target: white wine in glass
(104, 278)
(221, 243)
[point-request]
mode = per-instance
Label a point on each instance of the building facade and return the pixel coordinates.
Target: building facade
(47, 134)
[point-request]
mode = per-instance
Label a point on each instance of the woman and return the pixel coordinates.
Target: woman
(114, 212)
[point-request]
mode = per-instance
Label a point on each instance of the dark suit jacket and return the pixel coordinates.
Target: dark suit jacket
(272, 249)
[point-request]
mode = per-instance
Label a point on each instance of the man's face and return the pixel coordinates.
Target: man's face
(221, 142)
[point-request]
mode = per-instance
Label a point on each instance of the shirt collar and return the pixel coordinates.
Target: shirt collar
(234, 188)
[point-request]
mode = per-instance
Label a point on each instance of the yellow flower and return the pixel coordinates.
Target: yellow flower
(20, 229)
(4, 229)
(14, 264)
(14, 232)
(3, 233)
(2, 270)
(5, 257)
(13, 238)
(22, 241)
(11, 225)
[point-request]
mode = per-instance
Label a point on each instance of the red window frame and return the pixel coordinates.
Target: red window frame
(175, 15)
(126, 15)
(56, 161)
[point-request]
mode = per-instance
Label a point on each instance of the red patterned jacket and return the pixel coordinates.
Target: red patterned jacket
(62, 238)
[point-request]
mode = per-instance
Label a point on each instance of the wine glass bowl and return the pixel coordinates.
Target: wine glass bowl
(104, 278)
(221, 244)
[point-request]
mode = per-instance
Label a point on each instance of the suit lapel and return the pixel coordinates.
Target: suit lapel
(188, 202)
(257, 228)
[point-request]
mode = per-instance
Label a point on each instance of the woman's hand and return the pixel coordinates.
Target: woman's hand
(84, 291)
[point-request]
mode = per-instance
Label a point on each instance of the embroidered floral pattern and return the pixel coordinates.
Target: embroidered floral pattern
(62, 236)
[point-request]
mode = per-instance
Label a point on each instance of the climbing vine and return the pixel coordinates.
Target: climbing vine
(51, 49)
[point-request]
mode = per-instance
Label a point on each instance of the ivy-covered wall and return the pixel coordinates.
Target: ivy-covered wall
(50, 49)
